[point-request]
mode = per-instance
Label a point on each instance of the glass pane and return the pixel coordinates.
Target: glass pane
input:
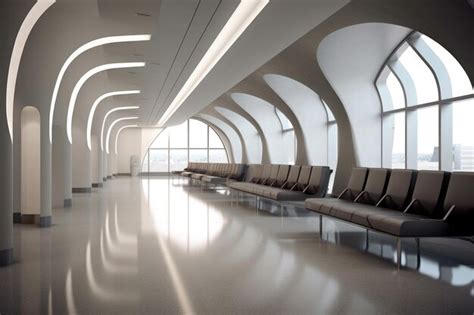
(215, 140)
(158, 160)
(328, 110)
(332, 153)
(460, 82)
(197, 134)
(428, 146)
(425, 84)
(179, 136)
(196, 155)
(178, 159)
(394, 140)
(290, 143)
(161, 141)
(145, 164)
(396, 91)
(285, 122)
(217, 156)
(463, 135)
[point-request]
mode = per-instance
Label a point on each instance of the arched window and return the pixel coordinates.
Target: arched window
(192, 141)
(288, 135)
(427, 104)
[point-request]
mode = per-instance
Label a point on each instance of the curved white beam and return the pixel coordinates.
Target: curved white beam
(118, 134)
(112, 126)
(79, 51)
(105, 119)
(243, 15)
(94, 107)
(83, 79)
(23, 33)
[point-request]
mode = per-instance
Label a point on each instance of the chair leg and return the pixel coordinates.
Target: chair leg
(367, 239)
(418, 259)
(399, 252)
(256, 202)
(321, 226)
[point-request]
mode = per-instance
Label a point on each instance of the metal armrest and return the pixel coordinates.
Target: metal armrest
(410, 205)
(362, 193)
(451, 210)
(382, 199)
(342, 193)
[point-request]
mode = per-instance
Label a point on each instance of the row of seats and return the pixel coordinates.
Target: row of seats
(214, 173)
(284, 182)
(405, 203)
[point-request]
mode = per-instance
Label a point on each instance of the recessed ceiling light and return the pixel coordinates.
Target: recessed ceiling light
(142, 14)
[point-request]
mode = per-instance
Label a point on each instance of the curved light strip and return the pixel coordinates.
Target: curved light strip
(79, 51)
(94, 107)
(83, 79)
(112, 126)
(243, 15)
(118, 134)
(23, 33)
(105, 119)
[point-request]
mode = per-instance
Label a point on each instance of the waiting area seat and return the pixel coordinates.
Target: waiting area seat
(284, 183)
(213, 173)
(404, 203)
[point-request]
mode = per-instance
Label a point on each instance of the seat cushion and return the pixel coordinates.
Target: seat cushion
(213, 179)
(407, 225)
(322, 205)
(197, 176)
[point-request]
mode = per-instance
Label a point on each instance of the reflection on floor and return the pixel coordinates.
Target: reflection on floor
(149, 245)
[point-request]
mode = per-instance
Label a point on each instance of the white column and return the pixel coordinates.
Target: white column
(6, 193)
(96, 162)
(81, 159)
(61, 197)
(46, 175)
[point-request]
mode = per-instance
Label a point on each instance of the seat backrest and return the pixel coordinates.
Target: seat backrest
(274, 171)
(399, 189)
(282, 175)
(460, 194)
(303, 178)
(375, 185)
(266, 171)
(293, 174)
(318, 181)
(356, 183)
(253, 171)
(429, 191)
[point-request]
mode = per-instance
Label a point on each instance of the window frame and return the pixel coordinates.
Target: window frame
(444, 102)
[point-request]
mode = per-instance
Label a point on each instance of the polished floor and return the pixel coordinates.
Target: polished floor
(161, 246)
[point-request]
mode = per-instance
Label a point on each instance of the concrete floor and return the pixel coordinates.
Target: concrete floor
(161, 246)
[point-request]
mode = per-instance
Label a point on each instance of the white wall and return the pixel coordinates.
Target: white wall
(129, 143)
(30, 161)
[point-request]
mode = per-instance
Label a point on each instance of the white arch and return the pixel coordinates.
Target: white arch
(118, 134)
(24, 32)
(83, 79)
(244, 14)
(75, 54)
(94, 107)
(112, 126)
(105, 119)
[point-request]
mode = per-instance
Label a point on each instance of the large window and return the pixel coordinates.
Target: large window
(192, 141)
(428, 107)
(288, 135)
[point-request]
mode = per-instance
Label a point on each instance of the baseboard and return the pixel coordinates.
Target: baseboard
(16, 217)
(123, 174)
(6, 257)
(97, 185)
(81, 190)
(29, 218)
(109, 176)
(67, 203)
(45, 221)
(104, 179)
